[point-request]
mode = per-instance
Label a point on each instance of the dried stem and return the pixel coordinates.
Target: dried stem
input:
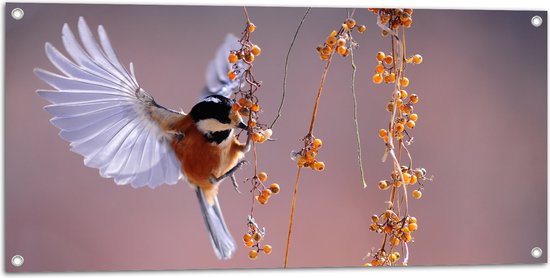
(359, 152)
(292, 215)
(286, 68)
(318, 97)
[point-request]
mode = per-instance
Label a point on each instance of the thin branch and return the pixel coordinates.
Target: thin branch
(292, 215)
(323, 78)
(286, 68)
(246, 14)
(359, 152)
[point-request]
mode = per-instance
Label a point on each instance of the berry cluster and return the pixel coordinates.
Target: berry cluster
(264, 192)
(393, 18)
(384, 71)
(252, 239)
(398, 230)
(246, 107)
(390, 69)
(247, 104)
(340, 41)
(307, 156)
(410, 177)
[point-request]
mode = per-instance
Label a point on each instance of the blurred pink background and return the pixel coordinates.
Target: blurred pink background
(481, 132)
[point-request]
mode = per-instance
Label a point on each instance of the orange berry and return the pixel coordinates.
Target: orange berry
(417, 194)
(255, 108)
(341, 50)
(380, 69)
(411, 219)
(275, 188)
(253, 254)
(407, 237)
(252, 123)
(242, 101)
(310, 156)
(417, 59)
(249, 244)
(330, 41)
(399, 127)
(392, 257)
(319, 166)
(267, 249)
(413, 227)
(236, 106)
(345, 27)
(232, 75)
(257, 237)
(394, 241)
(377, 78)
(333, 33)
(251, 27)
(403, 94)
(407, 108)
(380, 56)
(247, 237)
(232, 58)
(262, 176)
(256, 137)
(414, 98)
(383, 185)
(388, 60)
(262, 199)
(326, 50)
(404, 82)
(392, 77)
(411, 124)
(361, 28)
(406, 178)
(414, 179)
(302, 161)
(382, 133)
(413, 117)
(256, 50)
(408, 23)
(266, 192)
(249, 57)
(317, 143)
(375, 262)
(389, 107)
(388, 229)
(350, 22)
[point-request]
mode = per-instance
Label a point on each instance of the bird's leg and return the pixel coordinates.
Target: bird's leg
(231, 171)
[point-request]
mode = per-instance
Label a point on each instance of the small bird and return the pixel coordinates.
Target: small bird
(119, 129)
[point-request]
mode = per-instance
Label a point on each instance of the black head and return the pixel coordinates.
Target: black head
(212, 107)
(214, 114)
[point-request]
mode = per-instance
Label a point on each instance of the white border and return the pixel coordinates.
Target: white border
(530, 271)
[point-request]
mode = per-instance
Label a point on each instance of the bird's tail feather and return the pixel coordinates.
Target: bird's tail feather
(222, 241)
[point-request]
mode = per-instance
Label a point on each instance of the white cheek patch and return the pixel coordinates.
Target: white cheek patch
(212, 125)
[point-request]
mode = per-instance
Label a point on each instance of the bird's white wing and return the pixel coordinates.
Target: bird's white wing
(107, 118)
(217, 81)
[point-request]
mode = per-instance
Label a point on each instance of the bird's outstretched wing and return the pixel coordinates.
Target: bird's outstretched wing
(217, 80)
(108, 119)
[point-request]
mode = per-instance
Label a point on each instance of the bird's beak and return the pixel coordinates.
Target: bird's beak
(242, 125)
